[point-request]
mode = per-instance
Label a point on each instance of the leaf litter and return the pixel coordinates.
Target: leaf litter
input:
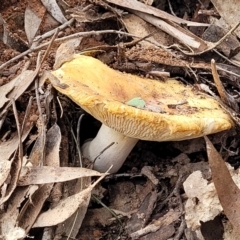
(50, 180)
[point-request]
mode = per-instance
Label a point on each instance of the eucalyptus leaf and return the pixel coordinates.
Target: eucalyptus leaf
(136, 102)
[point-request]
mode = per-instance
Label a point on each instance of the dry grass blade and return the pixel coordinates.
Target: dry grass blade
(227, 190)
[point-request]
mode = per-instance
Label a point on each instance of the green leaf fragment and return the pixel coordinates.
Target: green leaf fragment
(136, 102)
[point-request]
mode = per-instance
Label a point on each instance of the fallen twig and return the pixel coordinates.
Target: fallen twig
(59, 40)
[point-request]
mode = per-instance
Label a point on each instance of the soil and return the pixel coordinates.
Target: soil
(149, 184)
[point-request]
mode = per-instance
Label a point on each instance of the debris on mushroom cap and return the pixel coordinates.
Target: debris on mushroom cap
(171, 110)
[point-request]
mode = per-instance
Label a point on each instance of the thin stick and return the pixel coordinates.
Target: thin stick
(211, 45)
(75, 35)
(60, 105)
(37, 39)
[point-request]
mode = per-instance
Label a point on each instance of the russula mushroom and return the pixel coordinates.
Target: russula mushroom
(132, 108)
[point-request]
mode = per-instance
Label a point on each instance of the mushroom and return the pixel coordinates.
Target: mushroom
(132, 108)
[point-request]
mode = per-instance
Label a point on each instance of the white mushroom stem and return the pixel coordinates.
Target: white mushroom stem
(109, 148)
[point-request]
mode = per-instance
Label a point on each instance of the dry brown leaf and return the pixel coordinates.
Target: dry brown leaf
(174, 30)
(156, 17)
(52, 146)
(228, 192)
(53, 8)
(89, 15)
(15, 87)
(72, 225)
(32, 19)
(65, 52)
(10, 39)
(33, 206)
(229, 11)
(65, 208)
(14, 175)
(5, 167)
(49, 174)
(207, 206)
(139, 6)
(36, 156)
(8, 219)
(138, 27)
(165, 220)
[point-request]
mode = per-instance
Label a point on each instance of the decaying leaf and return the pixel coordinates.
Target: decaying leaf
(73, 202)
(228, 192)
(203, 203)
(49, 174)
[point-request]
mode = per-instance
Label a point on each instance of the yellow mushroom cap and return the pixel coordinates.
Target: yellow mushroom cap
(171, 111)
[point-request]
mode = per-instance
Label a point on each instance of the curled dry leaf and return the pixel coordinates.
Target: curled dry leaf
(49, 174)
(228, 192)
